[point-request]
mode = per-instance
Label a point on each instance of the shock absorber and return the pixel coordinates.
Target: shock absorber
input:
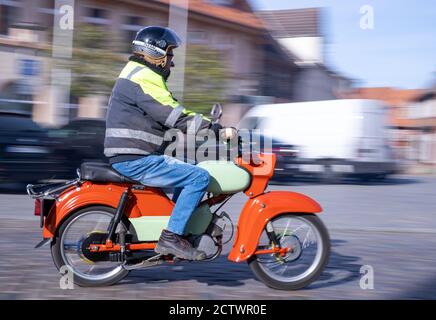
(118, 215)
(119, 256)
(271, 234)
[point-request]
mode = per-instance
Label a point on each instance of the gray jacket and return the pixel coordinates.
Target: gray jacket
(141, 109)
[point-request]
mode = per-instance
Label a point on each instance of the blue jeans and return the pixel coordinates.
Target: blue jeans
(162, 171)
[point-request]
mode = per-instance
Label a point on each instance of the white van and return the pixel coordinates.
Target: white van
(335, 137)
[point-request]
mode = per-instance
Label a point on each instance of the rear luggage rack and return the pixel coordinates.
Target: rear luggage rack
(50, 190)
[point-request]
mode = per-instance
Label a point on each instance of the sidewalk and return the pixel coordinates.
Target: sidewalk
(421, 169)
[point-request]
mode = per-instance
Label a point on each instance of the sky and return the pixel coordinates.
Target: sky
(400, 50)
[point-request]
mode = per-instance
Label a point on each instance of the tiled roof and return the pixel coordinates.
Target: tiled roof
(394, 98)
(292, 23)
(391, 96)
(228, 14)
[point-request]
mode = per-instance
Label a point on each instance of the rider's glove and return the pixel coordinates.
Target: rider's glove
(228, 133)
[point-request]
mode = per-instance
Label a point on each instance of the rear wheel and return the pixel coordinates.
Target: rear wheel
(309, 243)
(67, 247)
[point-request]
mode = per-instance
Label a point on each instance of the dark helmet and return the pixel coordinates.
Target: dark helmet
(153, 43)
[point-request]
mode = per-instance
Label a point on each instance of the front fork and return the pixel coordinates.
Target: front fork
(272, 235)
(276, 248)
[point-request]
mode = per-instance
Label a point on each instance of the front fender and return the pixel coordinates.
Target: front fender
(258, 211)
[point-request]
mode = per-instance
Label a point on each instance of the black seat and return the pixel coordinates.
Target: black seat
(102, 172)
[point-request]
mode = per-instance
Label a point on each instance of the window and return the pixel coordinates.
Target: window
(159, 21)
(96, 16)
(47, 12)
(10, 13)
(133, 21)
(47, 6)
(97, 13)
(131, 25)
(197, 37)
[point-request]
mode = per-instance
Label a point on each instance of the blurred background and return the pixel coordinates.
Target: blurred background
(344, 89)
(59, 60)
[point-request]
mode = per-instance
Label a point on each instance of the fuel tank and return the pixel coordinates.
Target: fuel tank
(226, 177)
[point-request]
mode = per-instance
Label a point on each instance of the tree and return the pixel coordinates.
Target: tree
(206, 78)
(95, 64)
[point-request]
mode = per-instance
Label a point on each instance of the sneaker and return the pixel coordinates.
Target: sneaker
(171, 243)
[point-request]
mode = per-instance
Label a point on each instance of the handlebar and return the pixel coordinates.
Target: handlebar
(245, 148)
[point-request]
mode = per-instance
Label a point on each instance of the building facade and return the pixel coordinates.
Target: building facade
(411, 121)
(301, 33)
(228, 26)
(421, 114)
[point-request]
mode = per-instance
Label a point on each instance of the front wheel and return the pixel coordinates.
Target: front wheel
(308, 242)
(68, 247)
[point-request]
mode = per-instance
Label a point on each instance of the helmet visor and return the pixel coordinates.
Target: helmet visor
(171, 38)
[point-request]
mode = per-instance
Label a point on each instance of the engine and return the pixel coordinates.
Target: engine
(212, 241)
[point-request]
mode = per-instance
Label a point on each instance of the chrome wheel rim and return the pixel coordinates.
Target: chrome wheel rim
(296, 265)
(71, 246)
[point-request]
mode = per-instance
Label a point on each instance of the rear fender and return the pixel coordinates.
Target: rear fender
(261, 209)
(150, 202)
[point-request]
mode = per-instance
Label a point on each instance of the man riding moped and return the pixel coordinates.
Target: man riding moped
(112, 218)
(141, 109)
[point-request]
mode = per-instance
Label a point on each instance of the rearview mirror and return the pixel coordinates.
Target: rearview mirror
(216, 112)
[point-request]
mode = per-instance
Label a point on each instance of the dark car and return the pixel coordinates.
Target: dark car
(82, 140)
(286, 160)
(286, 156)
(26, 151)
(78, 141)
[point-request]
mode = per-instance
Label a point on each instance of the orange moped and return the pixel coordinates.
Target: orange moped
(103, 225)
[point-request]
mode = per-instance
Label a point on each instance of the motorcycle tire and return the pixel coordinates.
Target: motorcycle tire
(59, 261)
(312, 276)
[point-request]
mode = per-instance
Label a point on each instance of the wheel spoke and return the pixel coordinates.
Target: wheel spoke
(306, 238)
(77, 231)
(286, 229)
(299, 261)
(90, 269)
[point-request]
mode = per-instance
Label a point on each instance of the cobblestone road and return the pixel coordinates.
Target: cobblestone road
(389, 226)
